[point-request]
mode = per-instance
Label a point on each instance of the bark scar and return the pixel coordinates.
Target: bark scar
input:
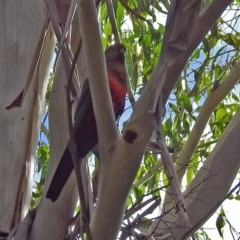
(129, 136)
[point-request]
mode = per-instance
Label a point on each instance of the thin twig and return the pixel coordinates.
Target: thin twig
(71, 12)
(112, 20)
(21, 230)
(134, 13)
(66, 51)
(169, 167)
(73, 150)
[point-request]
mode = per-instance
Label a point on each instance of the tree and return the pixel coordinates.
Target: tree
(186, 91)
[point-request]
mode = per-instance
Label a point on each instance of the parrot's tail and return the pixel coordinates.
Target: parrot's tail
(64, 170)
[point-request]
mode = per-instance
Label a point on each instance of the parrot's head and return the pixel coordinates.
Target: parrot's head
(115, 52)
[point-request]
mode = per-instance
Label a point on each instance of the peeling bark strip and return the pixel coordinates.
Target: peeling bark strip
(129, 136)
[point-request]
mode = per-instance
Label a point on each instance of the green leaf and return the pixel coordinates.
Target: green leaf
(206, 45)
(235, 97)
(220, 223)
(128, 202)
(173, 107)
(231, 197)
(217, 71)
(119, 14)
(190, 175)
(221, 113)
(237, 197)
(187, 103)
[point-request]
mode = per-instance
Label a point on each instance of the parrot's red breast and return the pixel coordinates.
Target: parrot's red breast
(118, 93)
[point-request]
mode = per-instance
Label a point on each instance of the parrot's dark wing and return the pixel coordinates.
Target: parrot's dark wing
(84, 103)
(119, 113)
(84, 122)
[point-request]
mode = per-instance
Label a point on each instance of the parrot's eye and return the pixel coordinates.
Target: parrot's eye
(122, 48)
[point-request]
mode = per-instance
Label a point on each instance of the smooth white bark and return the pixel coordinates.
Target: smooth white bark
(21, 24)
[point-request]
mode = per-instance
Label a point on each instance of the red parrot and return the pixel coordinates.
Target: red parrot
(85, 129)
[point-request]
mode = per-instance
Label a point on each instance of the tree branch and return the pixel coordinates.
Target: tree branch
(66, 51)
(213, 99)
(202, 26)
(127, 153)
(112, 20)
(218, 173)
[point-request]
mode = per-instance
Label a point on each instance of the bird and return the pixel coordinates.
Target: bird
(84, 126)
